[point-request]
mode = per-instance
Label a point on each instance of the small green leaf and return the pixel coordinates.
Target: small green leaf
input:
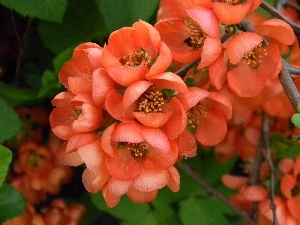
(12, 203)
(123, 13)
(10, 123)
(46, 10)
(296, 120)
(50, 85)
(5, 160)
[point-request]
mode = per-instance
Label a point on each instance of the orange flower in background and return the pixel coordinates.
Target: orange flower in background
(38, 172)
(234, 11)
(195, 36)
(135, 53)
(207, 113)
(290, 187)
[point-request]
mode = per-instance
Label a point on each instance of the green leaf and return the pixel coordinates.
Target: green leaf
(203, 211)
(5, 160)
(118, 13)
(12, 203)
(125, 210)
(10, 123)
(18, 96)
(51, 10)
(82, 22)
(296, 120)
(50, 85)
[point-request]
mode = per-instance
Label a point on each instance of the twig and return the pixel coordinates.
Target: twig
(294, 70)
(288, 85)
(292, 5)
(188, 170)
(182, 72)
(268, 157)
(20, 41)
(277, 14)
(280, 4)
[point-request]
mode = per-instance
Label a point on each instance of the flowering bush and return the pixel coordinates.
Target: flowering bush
(207, 91)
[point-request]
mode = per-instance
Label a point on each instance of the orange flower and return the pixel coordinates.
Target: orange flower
(74, 114)
(254, 63)
(234, 11)
(192, 37)
(136, 53)
(38, 172)
(290, 186)
(139, 160)
(146, 102)
(207, 113)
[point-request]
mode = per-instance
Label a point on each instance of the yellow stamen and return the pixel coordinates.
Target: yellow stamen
(151, 101)
(254, 56)
(138, 58)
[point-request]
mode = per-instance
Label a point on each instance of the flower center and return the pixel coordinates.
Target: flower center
(193, 115)
(138, 149)
(197, 38)
(254, 56)
(34, 159)
(138, 58)
(151, 102)
(231, 2)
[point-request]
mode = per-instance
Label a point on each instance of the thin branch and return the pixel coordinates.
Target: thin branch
(280, 4)
(188, 170)
(292, 5)
(274, 12)
(294, 70)
(268, 157)
(182, 72)
(288, 85)
(20, 41)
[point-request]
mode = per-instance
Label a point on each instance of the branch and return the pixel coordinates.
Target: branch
(268, 157)
(182, 72)
(294, 70)
(292, 5)
(288, 85)
(188, 170)
(274, 12)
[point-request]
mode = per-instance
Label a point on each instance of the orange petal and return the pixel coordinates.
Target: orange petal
(154, 120)
(277, 29)
(211, 50)
(128, 132)
(174, 179)
(234, 182)
(171, 81)
(134, 91)
(207, 20)
(241, 43)
(231, 14)
(94, 182)
(288, 182)
(254, 193)
(178, 120)
(211, 129)
(190, 99)
(150, 180)
(68, 158)
(294, 206)
(245, 81)
(141, 197)
(101, 85)
(114, 106)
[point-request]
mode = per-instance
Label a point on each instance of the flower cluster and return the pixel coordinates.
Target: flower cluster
(129, 116)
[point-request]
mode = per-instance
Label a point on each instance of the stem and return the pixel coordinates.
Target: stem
(268, 157)
(294, 70)
(277, 14)
(182, 72)
(288, 85)
(188, 170)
